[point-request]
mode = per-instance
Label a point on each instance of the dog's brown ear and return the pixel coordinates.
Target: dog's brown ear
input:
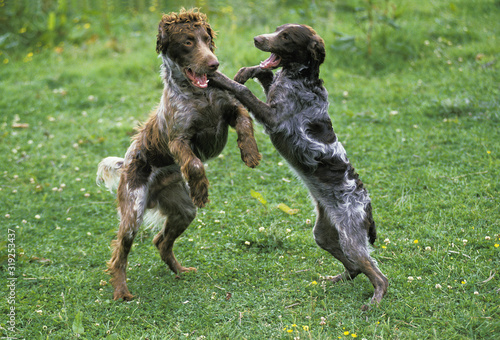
(162, 37)
(317, 49)
(212, 35)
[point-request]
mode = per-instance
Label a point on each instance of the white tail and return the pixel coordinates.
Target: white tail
(109, 172)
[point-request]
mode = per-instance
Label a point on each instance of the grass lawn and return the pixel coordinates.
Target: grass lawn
(419, 118)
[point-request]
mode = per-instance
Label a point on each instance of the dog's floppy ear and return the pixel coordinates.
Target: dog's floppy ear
(316, 49)
(162, 37)
(212, 35)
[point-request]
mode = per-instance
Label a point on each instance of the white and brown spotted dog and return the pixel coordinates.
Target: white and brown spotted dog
(297, 121)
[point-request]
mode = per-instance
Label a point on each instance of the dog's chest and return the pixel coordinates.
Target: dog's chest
(211, 128)
(284, 95)
(293, 97)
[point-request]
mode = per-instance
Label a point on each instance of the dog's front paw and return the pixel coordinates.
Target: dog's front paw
(249, 151)
(251, 159)
(243, 75)
(199, 192)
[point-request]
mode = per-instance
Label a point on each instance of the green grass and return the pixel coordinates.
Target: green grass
(419, 118)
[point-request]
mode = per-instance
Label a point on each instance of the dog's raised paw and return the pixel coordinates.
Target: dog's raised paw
(251, 160)
(199, 192)
(243, 75)
(200, 199)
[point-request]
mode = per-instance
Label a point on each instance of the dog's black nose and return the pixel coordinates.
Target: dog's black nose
(213, 65)
(258, 40)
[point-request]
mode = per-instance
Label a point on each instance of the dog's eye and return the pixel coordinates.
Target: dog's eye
(188, 43)
(284, 36)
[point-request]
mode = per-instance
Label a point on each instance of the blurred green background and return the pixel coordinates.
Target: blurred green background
(375, 33)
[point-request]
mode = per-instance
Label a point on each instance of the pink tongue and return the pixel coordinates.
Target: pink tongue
(198, 80)
(273, 61)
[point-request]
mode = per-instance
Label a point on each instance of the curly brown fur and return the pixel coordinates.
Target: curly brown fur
(163, 172)
(297, 121)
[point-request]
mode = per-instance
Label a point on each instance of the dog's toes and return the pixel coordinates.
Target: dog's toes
(365, 308)
(126, 296)
(200, 202)
(188, 269)
(241, 80)
(250, 156)
(199, 193)
(183, 270)
(334, 279)
(242, 76)
(252, 160)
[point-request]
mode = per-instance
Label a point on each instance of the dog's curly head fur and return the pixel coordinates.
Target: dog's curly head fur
(174, 23)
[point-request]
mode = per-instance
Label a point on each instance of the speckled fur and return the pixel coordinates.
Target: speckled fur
(297, 121)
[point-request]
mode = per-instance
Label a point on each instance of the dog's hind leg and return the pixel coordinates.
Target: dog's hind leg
(368, 266)
(348, 243)
(327, 237)
(131, 205)
(174, 202)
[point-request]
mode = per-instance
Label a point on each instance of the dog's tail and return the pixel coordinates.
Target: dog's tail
(109, 172)
(372, 231)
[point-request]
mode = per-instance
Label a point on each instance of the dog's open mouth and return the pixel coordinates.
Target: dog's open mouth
(198, 80)
(272, 62)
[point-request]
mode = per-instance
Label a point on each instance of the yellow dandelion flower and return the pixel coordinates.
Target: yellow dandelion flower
(384, 247)
(354, 335)
(289, 330)
(346, 333)
(306, 328)
(294, 325)
(416, 241)
(488, 152)
(86, 26)
(314, 283)
(497, 245)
